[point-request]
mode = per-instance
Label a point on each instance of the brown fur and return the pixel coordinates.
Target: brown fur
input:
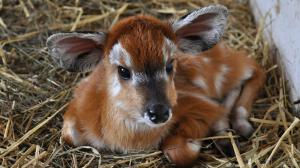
(194, 118)
(197, 124)
(94, 113)
(142, 37)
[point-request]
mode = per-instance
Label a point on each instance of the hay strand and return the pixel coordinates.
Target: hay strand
(34, 92)
(29, 133)
(286, 133)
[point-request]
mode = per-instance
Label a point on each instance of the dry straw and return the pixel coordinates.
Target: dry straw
(33, 92)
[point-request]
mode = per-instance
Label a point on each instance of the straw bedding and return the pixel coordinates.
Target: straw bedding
(34, 92)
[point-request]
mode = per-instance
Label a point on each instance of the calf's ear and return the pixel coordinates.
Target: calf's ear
(76, 52)
(201, 29)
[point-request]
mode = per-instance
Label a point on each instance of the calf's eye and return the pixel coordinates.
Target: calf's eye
(169, 68)
(124, 73)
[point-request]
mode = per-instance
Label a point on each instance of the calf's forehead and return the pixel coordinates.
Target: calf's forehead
(146, 40)
(145, 48)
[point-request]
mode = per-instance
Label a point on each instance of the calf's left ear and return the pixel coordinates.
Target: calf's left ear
(201, 29)
(77, 52)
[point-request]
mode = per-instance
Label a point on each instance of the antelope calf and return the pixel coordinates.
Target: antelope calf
(153, 86)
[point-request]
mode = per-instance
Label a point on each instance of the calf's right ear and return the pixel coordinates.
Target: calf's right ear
(76, 52)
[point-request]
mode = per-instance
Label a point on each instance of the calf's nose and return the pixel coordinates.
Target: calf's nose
(158, 113)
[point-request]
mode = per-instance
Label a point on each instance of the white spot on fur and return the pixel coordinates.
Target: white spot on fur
(120, 105)
(231, 98)
(206, 60)
(221, 126)
(247, 74)
(242, 126)
(241, 112)
(194, 145)
(117, 52)
(220, 79)
(70, 131)
(241, 123)
(115, 86)
(85, 80)
(200, 82)
(94, 140)
(198, 96)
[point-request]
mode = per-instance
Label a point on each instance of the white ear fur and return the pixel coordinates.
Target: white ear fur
(76, 51)
(200, 29)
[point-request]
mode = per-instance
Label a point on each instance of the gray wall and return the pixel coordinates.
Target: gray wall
(282, 29)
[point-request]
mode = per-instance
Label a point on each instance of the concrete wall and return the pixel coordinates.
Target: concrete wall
(282, 30)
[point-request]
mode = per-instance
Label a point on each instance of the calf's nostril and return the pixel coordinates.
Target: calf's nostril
(151, 111)
(158, 113)
(153, 118)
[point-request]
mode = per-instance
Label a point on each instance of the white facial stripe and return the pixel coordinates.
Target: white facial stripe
(115, 55)
(115, 86)
(220, 79)
(126, 56)
(168, 49)
(117, 52)
(161, 75)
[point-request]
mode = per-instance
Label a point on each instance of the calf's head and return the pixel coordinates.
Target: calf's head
(138, 57)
